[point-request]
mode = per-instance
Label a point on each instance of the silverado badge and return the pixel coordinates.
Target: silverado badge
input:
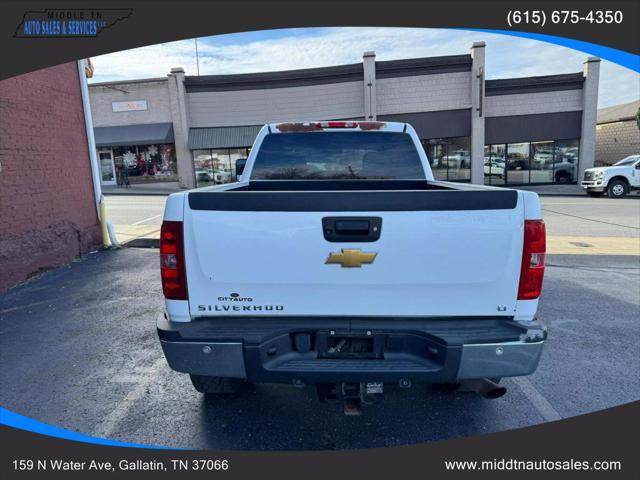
(351, 257)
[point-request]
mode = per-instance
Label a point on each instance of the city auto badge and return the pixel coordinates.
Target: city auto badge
(351, 258)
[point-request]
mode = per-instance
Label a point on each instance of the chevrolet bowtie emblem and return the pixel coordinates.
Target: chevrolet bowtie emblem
(351, 257)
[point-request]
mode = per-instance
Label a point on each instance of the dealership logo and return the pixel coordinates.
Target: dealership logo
(235, 297)
(68, 23)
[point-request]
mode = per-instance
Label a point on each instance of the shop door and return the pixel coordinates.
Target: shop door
(107, 169)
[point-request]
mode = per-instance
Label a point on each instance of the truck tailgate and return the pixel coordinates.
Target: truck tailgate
(430, 261)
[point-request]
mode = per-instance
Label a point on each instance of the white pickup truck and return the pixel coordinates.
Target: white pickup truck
(617, 180)
(338, 261)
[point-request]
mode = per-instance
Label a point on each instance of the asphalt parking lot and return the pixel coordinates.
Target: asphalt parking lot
(79, 350)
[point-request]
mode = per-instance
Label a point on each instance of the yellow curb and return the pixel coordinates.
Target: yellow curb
(593, 245)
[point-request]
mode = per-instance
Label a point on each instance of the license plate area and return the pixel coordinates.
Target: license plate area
(336, 345)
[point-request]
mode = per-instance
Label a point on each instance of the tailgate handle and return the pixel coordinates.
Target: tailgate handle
(351, 229)
(355, 227)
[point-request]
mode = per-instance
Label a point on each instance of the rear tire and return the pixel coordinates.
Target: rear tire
(595, 194)
(617, 189)
(222, 386)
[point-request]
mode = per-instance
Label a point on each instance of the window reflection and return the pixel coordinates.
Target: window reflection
(565, 167)
(494, 164)
(203, 167)
(436, 154)
(542, 155)
(216, 166)
(450, 158)
(518, 163)
(534, 162)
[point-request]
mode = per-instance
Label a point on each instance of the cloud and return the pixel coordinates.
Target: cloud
(317, 47)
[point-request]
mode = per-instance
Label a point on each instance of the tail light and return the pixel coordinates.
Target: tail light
(172, 271)
(532, 271)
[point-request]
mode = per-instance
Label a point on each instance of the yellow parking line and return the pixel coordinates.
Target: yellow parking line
(125, 233)
(593, 245)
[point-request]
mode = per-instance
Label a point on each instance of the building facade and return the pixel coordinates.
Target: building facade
(500, 132)
(134, 130)
(47, 205)
(617, 133)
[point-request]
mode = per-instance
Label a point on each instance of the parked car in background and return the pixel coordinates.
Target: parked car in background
(542, 157)
(458, 159)
(565, 169)
(220, 176)
(617, 180)
(204, 175)
(494, 167)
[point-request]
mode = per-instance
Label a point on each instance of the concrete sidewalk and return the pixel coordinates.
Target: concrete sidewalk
(554, 189)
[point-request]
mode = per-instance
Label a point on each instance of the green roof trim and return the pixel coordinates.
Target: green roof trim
(222, 137)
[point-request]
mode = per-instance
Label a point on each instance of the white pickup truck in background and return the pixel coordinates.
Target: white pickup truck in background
(338, 261)
(616, 180)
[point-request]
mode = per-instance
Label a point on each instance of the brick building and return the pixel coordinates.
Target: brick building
(47, 209)
(512, 131)
(617, 133)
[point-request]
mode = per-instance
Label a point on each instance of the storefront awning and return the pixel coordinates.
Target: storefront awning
(222, 137)
(142, 134)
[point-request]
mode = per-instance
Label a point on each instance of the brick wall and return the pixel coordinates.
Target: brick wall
(617, 140)
(47, 210)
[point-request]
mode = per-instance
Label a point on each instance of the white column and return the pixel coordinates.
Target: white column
(91, 141)
(178, 104)
(477, 113)
(370, 102)
(591, 72)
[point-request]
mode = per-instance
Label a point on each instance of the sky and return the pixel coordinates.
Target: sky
(290, 49)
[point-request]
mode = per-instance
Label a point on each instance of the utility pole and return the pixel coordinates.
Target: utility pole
(197, 57)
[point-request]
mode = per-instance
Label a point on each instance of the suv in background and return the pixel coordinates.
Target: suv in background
(617, 180)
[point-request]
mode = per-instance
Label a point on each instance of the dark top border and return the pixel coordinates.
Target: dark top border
(423, 66)
(353, 201)
(327, 75)
(548, 83)
(288, 78)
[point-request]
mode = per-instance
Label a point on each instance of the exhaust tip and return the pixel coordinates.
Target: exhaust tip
(484, 387)
(494, 393)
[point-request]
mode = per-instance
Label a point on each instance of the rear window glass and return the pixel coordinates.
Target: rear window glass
(336, 156)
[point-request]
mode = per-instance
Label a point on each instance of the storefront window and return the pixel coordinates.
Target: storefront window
(494, 164)
(535, 162)
(542, 154)
(517, 163)
(138, 163)
(565, 167)
(459, 159)
(436, 152)
(216, 166)
(450, 158)
(203, 167)
(236, 154)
